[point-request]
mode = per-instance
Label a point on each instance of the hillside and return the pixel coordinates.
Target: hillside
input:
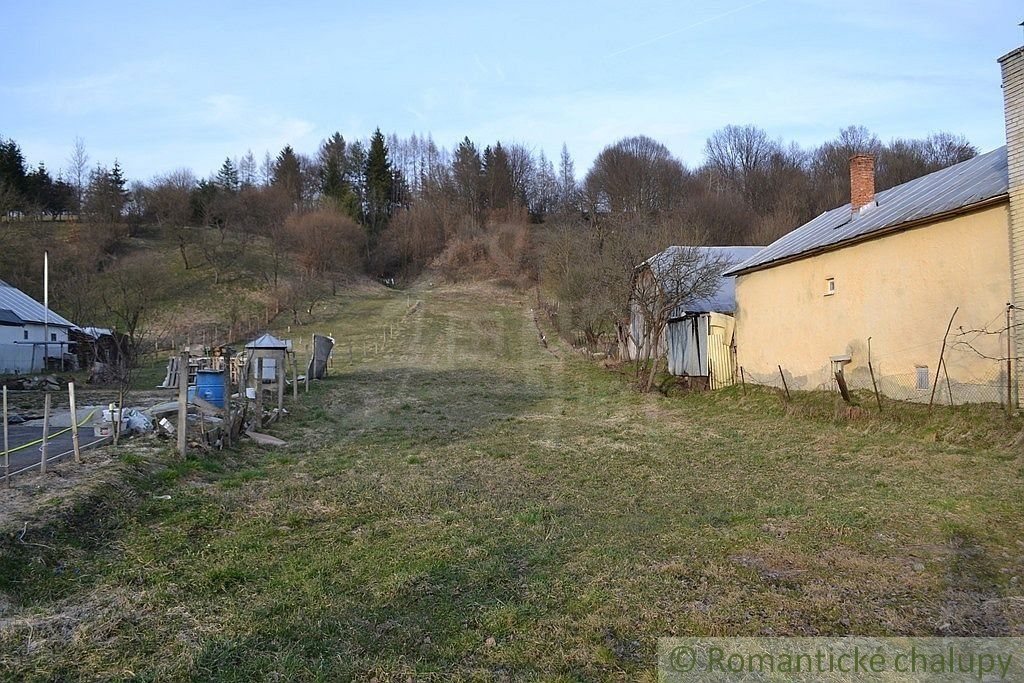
(464, 503)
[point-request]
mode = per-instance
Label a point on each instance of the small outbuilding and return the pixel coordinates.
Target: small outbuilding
(697, 335)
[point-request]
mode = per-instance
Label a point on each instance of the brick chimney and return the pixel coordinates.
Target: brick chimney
(1013, 108)
(862, 181)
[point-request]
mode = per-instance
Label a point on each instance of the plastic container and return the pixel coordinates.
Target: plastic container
(209, 387)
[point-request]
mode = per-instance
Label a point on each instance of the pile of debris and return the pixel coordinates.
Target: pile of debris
(35, 383)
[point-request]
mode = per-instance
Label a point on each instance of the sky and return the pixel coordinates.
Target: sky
(176, 84)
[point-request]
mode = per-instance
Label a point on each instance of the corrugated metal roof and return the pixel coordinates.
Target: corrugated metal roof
(969, 182)
(724, 300)
(27, 308)
(267, 341)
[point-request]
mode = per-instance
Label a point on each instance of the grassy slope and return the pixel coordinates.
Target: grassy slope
(466, 484)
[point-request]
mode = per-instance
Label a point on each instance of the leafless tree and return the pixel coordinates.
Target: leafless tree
(78, 172)
(635, 175)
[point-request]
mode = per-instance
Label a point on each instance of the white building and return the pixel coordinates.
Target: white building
(28, 332)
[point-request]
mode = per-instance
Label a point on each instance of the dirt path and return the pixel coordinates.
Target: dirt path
(460, 503)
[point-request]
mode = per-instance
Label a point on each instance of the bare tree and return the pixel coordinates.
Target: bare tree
(664, 286)
(78, 172)
(635, 175)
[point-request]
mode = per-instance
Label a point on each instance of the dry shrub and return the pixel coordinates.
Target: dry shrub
(503, 252)
(326, 241)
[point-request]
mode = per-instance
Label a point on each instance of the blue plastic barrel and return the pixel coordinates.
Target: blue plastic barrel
(210, 386)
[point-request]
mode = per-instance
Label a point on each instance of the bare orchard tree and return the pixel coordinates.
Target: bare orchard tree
(664, 286)
(129, 299)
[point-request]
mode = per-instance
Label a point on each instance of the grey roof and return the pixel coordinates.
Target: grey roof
(9, 318)
(267, 341)
(969, 182)
(27, 308)
(724, 300)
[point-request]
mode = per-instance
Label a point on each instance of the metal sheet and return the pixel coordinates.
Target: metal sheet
(27, 308)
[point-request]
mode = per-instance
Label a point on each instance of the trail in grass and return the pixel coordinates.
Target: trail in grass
(463, 504)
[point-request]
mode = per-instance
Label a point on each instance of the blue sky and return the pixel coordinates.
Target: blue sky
(164, 85)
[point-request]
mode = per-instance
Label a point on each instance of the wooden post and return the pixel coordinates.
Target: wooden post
(279, 364)
(74, 422)
(227, 396)
(259, 392)
(942, 354)
(183, 405)
(46, 432)
(784, 385)
(743, 381)
(295, 376)
(7, 445)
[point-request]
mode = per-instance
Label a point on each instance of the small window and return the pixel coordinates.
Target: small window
(830, 286)
(53, 336)
(923, 378)
(24, 334)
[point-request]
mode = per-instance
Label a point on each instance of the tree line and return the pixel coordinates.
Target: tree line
(391, 206)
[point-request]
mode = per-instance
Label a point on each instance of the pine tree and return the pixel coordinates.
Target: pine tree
(467, 172)
(497, 176)
(288, 173)
(227, 177)
(13, 172)
(380, 188)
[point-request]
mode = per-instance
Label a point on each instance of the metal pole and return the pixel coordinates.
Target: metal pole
(74, 422)
(743, 381)
(1009, 367)
(784, 385)
(7, 447)
(183, 405)
(46, 432)
(874, 384)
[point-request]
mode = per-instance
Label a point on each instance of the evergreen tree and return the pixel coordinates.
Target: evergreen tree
(13, 173)
(227, 177)
(467, 173)
(380, 188)
(497, 176)
(288, 173)
(107, 194)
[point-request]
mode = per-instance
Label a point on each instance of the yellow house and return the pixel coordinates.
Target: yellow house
(871, 287)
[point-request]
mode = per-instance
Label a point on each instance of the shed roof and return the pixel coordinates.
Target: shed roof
(10, 318)
(267, 341)
(724, 300)
(28, 309)
(969, 182)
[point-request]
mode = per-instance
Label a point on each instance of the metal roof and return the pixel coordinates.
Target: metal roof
(267, 341)
(27, 308)
(969, 182)
(724, 300)
(8, 317)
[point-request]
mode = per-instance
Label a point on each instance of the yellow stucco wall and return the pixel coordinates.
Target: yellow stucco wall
(900, 290)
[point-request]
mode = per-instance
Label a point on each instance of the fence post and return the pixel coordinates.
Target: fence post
(295, 376)
(74, 422)
(183, 405)
(46, 432)
(227, 396)
(7, 447)
(784, 385)
(743, 381)
(942, 355)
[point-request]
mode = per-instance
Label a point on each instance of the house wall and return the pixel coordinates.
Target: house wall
(900, 290)
(16, 356)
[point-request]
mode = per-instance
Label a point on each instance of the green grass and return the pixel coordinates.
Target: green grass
(463, 484)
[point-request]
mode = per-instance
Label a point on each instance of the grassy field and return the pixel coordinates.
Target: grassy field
(464, 504)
